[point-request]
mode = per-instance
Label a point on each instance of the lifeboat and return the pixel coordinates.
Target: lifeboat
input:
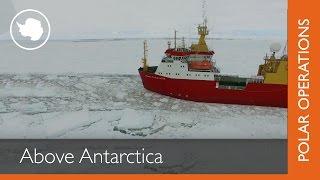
(200, 65)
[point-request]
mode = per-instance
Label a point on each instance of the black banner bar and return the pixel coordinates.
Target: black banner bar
(140, 156)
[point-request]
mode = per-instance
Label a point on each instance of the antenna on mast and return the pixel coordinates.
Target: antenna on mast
(285, 49)
(204, 12)
(183, 42)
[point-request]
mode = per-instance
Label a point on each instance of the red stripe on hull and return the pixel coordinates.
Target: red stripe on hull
(271, 95)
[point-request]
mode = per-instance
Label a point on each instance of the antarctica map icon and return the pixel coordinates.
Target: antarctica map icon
(32, 28)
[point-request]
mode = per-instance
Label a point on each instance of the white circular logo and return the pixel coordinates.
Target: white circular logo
(30, 29)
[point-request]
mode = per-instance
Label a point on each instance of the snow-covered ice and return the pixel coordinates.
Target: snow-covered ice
(133, 119)
(117, 106)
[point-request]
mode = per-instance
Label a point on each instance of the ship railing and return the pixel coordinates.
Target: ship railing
(239, 80)
(167, 59)
(255, 79)
(231, 87)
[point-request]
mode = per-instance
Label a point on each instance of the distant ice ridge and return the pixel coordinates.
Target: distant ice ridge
(117, 106)
(122, 56)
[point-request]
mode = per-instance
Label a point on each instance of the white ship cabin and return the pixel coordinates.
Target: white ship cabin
(177, 68)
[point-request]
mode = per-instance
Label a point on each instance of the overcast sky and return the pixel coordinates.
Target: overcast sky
(158, 18)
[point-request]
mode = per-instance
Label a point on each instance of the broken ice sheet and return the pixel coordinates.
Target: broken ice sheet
(117, 106)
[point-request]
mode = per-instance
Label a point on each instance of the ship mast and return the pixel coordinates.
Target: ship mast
(183, 42)
(175, 39)
(203, 29)
(144, 59)
(202, 32)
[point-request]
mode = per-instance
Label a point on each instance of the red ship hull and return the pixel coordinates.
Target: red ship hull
(259, 94)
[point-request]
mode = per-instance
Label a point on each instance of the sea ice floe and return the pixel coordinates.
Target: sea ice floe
(34, 108)
(3, 108)
(133, 119)
(164, 100)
